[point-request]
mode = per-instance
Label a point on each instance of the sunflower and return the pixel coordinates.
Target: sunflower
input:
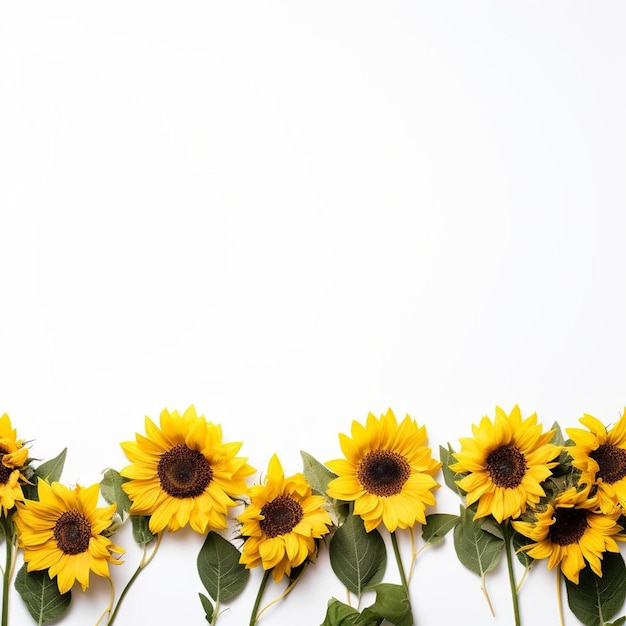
(14, 457)
(63, 533)
(569, 532)
(601, 457)
(388, 472)
(505, 462)
(182, 473)
(282, 522)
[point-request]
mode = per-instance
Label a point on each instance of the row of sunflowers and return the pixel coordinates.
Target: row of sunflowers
(528, 494)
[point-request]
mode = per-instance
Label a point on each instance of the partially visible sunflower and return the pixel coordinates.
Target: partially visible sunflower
(282, 522)
(63, 533)
(601, 457)
(388, 472)
(505, 461)
(13, 457)
(182, 473)
(571, 532)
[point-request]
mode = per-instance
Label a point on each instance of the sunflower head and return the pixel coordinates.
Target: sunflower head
(600, 455)
(282, 523)
(505, 463)
(13, 458)
(387, 472)
(65, 533)
(571, 532)
(182, 473)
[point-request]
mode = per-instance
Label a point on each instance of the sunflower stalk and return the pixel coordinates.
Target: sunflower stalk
(507, 531)
(405, 584)
(145, 561)
(8, 568)
(254, 616)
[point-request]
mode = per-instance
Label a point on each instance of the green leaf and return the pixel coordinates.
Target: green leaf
(594, 600)
(317, 475)
(219, 568)
(49, 471)
(340, 614)
(557, 437)
(477, 549)
(141, 529)
(450, 477)
(392, 604)
(357, 557)
(112, 492)
(207, 606)
(41, 595)
(438, 525)
(617, 622)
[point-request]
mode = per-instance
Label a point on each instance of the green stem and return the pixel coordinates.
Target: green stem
(508, 534)
(216, 612)
(396, 551)
(8, 568)
(259, 595)
(144, 563)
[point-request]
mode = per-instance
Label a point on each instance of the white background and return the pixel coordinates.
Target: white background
(290, 214)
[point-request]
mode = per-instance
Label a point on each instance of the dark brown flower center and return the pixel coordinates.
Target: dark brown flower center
(183, 472)
(72, 532)
(612, 462)
(506, 466)
(280, 516)
(5, 472)
(569, 526)
(383, 473)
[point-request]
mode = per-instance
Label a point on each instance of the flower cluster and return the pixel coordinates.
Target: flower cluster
(553, 499)
(527, 493)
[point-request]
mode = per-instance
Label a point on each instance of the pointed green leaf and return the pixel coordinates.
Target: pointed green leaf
(557, 437)
(594, 600)
(219, 568)
(340, 614)
(392, 604)
(317, 475)
(449, 477)
(41, 595)
(49, 471)
(357, 557)
(477, 549)
(618, 622)
(141, 529)
(438, 525)
(112, 492)
(207, 606)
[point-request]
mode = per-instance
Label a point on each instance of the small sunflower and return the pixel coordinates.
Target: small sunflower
(388, 472)
(14, 456)
(601, 457)
(63, 533)
(505, 461)
(569, 532)
(182, 473)
(282, 522)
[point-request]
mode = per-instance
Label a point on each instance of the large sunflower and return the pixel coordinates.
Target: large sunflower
(505, 461)
(182, 473)
(388, 472)
(63, 533)
(601, 457)
(13, 456)
(569, 532)
(282, 522)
